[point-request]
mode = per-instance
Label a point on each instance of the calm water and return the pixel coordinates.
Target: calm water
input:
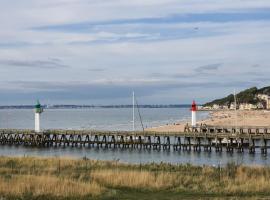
(116, 119)
(96, 118)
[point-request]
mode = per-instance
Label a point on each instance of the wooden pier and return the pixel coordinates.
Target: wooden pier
(200, 138)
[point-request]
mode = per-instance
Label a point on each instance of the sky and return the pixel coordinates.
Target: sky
(99, 51)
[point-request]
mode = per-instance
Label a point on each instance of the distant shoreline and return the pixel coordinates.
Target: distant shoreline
(223, 118)
(93, 106)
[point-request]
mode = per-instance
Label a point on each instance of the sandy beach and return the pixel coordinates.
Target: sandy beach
(224, 118)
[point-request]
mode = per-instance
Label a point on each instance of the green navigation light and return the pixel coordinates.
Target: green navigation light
(38, 107)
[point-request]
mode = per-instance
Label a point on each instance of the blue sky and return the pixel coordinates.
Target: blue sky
(97, 52)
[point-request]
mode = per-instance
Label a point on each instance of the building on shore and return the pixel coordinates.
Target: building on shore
(241, 106)
(262, 102)
(216, 107)
(249, 106)
(232, 106)
(225, 107)
(266, 99)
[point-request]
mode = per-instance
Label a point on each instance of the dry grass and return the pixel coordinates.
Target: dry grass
(46, 185)
(67, 177)
(134, 179)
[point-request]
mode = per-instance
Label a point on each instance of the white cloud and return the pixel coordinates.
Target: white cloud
(128, 61)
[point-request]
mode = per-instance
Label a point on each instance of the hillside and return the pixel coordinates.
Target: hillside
(246, 96)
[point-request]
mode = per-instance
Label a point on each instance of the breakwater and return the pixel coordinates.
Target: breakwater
(200, 138)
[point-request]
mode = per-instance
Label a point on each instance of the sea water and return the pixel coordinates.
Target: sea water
(95, 118)
(116, 119)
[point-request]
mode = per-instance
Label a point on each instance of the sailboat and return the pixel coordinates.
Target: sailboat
(134, 101)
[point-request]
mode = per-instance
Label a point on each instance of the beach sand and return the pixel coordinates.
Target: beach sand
(224, 118)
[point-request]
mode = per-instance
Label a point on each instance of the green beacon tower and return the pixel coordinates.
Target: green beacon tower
(38, 111)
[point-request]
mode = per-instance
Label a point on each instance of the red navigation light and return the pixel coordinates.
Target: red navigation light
(193, 106)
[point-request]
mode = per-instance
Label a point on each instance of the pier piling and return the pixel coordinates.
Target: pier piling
(196, 138)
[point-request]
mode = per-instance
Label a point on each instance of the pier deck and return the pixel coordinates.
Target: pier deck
(198, 138)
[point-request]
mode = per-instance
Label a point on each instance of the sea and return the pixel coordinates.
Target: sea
(96, 118)
(117, 119)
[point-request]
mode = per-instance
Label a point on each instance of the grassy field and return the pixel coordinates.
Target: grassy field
(65, 178)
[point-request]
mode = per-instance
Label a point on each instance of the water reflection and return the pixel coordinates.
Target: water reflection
(141, 155)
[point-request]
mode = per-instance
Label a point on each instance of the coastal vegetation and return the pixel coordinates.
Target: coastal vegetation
(246, 96)
(66, 178)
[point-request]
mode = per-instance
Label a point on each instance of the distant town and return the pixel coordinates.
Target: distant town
(250, 99)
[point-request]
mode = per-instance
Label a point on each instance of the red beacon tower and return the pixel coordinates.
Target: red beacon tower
(193, 113)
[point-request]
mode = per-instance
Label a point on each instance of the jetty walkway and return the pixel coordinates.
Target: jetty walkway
(200, 138)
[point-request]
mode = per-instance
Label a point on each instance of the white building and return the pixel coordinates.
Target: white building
(248, 106)
(265, 98)
(232, 106)
(225, 107)
(216, 107)
(260, 105)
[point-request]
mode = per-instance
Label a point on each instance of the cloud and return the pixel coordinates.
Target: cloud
(256, 65)
(97, 69)
(208, 68)
(164, 49)
(51, 63)
(109, 88)
(256, 15)
(197, 72)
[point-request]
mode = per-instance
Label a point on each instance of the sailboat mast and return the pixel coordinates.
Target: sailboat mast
(133, 121)
(235, 108)
(137, 105)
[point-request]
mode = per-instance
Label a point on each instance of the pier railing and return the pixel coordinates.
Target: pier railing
(197, 138)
